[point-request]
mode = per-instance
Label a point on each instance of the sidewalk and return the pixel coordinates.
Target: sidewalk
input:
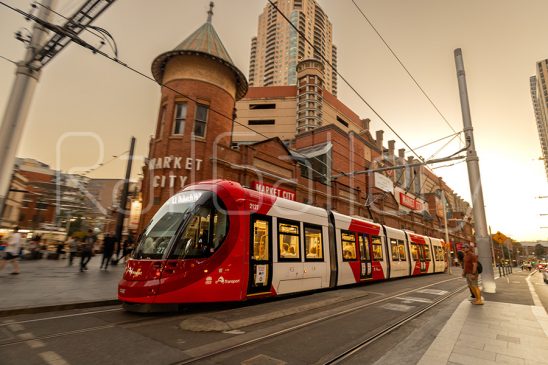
(511, 328)
(45, 285)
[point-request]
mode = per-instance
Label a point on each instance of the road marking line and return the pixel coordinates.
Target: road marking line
(433, 291)
(409, 300)
(34, 344)
(6, 323)
(397, 307)
(538, 309)
(26, 336)
(15, 327)
(52, 358)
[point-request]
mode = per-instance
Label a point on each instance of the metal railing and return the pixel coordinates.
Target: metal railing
(504, 270)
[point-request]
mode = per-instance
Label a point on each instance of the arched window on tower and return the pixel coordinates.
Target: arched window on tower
(200, 121)
(180, 117)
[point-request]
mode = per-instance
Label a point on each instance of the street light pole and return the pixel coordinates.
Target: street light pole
(27, 75)
(472, 162)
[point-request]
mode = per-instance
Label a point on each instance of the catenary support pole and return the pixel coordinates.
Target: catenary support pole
(27, 75)
(122, 208)
(449, 258)
(472, 162)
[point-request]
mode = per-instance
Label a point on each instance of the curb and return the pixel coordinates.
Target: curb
(57, 307)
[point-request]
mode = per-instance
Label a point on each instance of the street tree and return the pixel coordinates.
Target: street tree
(539, 250)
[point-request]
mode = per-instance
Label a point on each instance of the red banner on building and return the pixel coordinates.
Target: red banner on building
(409, 202)
(269, 189)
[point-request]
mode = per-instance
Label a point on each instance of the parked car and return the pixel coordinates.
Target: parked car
(545, 275)
(541, 266)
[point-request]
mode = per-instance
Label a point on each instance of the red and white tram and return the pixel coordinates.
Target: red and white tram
(216, 241)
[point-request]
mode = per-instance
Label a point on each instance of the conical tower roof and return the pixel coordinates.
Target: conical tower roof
(203, 42)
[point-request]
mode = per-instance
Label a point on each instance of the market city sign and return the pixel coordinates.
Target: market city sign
(272, 190)
(177, 165)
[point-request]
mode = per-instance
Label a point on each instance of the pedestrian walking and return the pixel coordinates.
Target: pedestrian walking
(87, 250)
(470, 272)
(460, 256)
(12, 251)
(108, 250)
(73, 250)
(127, 247)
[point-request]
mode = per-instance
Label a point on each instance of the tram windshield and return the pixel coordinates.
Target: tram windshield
(191, 224)
(164, 225)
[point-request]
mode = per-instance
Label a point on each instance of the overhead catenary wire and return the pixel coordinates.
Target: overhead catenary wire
(344, 79)
(404, 67)
(7, 59)
(98, 32)
(449, 165)
(114, 157)
(442, 147)
(84, 44)
(437, 140)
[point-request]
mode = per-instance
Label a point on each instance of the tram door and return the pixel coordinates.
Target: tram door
(366, 270)
(260, 260)
(422, 257)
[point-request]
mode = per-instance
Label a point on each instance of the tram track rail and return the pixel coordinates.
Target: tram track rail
(202, 355)
(389, 329)
(347, 353)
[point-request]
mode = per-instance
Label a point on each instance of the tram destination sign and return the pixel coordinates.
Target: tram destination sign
(269, 189)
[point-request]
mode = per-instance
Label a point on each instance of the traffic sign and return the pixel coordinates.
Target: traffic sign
(499, 238)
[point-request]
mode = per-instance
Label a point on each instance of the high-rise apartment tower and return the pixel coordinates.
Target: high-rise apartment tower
(278, 47)
(539, 94)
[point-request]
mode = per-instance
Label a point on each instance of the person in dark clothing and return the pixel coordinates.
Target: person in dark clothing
(127, 247)
(460, 255)
(108, 250)
(87, 250)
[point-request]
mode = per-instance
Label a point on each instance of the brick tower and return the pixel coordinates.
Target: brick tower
(200, 86)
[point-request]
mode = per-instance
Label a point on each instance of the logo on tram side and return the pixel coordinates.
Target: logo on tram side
(134, 273)
(222, 280)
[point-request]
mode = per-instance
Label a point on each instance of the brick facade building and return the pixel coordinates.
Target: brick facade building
(196, 140)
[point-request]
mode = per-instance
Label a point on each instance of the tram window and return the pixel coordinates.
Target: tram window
(289, 240)
(261, 240)
(401, 248)
(438, 251)
(395, 250)
(220, 226)
(427, 256)
(364, 248)
(313, 242)
(414, 252)
(159, 235)
(195, 240)
(348, 243)
(376, 246)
